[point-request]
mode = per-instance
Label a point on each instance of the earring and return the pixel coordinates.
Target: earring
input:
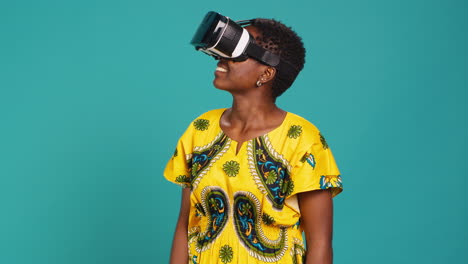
(259, 83)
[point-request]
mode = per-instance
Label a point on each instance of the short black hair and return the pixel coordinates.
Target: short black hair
(283, 41)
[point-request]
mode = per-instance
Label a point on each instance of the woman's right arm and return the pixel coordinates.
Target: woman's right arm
(179, 252)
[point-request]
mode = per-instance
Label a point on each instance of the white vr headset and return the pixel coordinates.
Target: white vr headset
(221, 37)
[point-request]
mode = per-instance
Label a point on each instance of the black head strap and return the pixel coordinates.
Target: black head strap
(288, 71)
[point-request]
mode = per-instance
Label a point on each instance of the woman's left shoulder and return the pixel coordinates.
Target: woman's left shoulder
(304, 124)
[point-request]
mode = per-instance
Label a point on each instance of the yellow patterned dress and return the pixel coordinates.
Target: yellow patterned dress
(244, 206)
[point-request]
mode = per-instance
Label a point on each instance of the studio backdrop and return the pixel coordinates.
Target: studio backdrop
(95, 94)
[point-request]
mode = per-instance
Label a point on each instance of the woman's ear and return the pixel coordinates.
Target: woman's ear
(268, 75)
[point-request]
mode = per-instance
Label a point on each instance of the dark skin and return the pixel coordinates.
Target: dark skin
(253, 114)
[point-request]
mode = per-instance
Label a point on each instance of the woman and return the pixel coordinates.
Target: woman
(254, 176)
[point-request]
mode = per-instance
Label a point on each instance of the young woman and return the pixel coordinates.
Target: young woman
(255, 177)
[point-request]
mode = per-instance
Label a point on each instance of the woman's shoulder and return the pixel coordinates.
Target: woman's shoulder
(211, 114)
(303, 132)
(304, 124)
(205, 122)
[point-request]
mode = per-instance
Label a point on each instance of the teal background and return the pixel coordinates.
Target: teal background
(94, 95)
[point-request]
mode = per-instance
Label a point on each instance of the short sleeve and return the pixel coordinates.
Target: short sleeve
(177, 169)
(316, 169)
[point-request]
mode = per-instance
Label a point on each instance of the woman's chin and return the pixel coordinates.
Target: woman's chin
(218, 84)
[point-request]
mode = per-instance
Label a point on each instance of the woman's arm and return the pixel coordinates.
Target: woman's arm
(317, 222)
(179, 252)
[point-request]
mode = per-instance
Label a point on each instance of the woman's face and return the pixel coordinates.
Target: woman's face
(238, 76)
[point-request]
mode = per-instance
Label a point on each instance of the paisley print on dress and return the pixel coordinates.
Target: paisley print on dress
(270, 171)
(203, 157)
(216, 206)
(199, 211)
(247, 216)
(298, 252)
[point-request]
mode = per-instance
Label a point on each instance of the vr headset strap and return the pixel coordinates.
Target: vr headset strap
(262, 55)
(287, 73)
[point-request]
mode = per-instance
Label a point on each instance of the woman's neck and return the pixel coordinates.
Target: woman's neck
(251, 111)
(250, 117)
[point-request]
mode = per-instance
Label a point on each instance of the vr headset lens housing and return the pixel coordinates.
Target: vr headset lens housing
(219, 36)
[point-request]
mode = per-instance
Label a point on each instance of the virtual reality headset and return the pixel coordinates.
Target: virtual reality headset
(221, 37)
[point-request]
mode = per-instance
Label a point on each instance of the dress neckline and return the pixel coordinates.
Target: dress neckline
(218, 123)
